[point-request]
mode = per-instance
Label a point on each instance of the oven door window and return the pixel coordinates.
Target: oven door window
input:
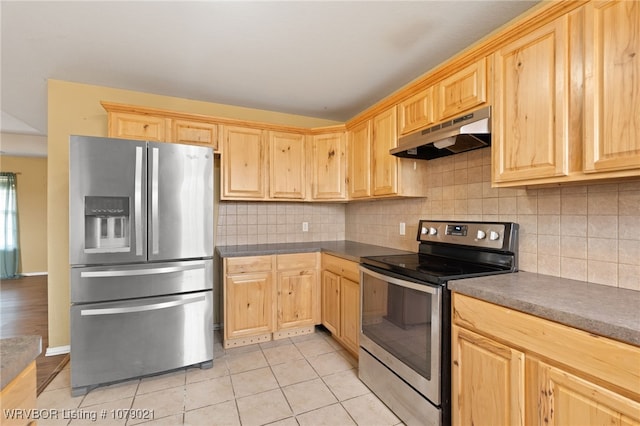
(399, 319)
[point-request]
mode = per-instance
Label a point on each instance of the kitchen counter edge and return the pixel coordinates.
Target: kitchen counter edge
(598, 309)
(346, 249)
(16, 354)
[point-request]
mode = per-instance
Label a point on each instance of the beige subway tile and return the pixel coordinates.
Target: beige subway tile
(629, 276)
(475, 175)
(574, 225)
(528, 223)
(548, 265)
(573, 269)
(629, 252)
(490, 206)
(460, 192)
(507, 205)
(460, 207)
(474, 207)
(602, 203)
(629, 203)
(600, 272)
(528, 243)
(488, 191)
(573, 247)
(548, 245)
(527, 205)
(549, 204)
(602, 226)
(629, 227)
(602, 249)
(574, 203)
(602, 187)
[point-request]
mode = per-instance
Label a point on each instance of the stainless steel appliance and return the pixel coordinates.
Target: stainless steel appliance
(405, 306)
(141, 255)
(464, 133)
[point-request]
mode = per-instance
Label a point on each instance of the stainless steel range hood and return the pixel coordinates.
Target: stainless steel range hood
(465, 133)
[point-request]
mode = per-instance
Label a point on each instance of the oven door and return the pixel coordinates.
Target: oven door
(401, 327)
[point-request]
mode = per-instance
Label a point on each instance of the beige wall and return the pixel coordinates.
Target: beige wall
(32, 210)
(587, 232)
(75, 108)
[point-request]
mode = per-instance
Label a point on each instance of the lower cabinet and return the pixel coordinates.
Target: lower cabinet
(270, 297)
(341, 300)
(511, 368)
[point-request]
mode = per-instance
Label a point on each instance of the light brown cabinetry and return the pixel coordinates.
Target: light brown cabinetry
(195, 133)
(462, 91)
(146, 127)
(298, 291)
(244, 163)
(612, 92)
(385, 165)
(329, 165)
(270, 297)
(248, 300)
(341, 300)
(530, 113)
(287, 172)
(416, 112)
(359, 149)
(550, 375)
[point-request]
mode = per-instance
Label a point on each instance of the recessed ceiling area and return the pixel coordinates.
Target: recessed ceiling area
(324, 59)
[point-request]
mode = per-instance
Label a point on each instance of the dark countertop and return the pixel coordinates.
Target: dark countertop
(607, 311)
(16, 353)
(349, 250)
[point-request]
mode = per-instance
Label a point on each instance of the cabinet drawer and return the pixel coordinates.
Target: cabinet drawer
(239, 265)
(612, 362)
(296, 261)
(342, 267)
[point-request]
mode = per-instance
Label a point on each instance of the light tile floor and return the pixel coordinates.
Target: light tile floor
(305, 380)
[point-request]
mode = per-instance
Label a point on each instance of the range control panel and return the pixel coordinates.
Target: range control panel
(493, 235)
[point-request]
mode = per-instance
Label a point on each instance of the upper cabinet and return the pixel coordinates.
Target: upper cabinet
(287, 173)
(462, 91)
(329, 166)
(416, 112)
(385, 165)
(195, 133)
(139, 126)
(359, 149)
(244, 163)
(530, 112)
(612, 89)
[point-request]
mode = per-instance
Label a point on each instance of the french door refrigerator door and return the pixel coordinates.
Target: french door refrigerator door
(115, 341)
(107, 200)
(180, 201)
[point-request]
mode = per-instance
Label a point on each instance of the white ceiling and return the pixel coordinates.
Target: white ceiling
(325, 59)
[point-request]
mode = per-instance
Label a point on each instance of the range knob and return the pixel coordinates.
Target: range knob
(433, 231)
(493, 235)
(424, 230)
(481, 234)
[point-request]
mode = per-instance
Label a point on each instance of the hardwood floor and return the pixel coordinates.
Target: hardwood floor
(23, 310)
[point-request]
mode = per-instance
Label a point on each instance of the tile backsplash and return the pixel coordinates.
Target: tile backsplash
(583, 232)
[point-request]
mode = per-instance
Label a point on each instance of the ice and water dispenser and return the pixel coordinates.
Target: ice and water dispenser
(107, 224)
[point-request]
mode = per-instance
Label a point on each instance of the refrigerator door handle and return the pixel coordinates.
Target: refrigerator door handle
(134, 272)
(138, 202)
(142, 308)
(155, 225)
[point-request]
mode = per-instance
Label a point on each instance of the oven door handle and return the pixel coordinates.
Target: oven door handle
(402, 283)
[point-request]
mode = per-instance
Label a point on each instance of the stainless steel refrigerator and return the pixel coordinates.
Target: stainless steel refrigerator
(140, 249)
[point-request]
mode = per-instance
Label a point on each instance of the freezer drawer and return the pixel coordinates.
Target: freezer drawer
(105, 283)
(121, 340)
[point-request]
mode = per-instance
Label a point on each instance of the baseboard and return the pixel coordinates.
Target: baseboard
(58, 350)
(33, 274)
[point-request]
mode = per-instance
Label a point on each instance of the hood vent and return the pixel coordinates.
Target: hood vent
(464, 133)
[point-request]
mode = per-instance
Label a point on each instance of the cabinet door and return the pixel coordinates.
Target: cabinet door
(350, 313)
(416, 112)
(487, 381)
(530, 116)
(296, 298)
(565, 399)
(243, 163)
(331, 302)
(248, 304)
(195, 132)
(360, 160)
(462, 91)
(139, 126)
(329, 166)
(385, 165)
(287, 165)
(612, 92)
